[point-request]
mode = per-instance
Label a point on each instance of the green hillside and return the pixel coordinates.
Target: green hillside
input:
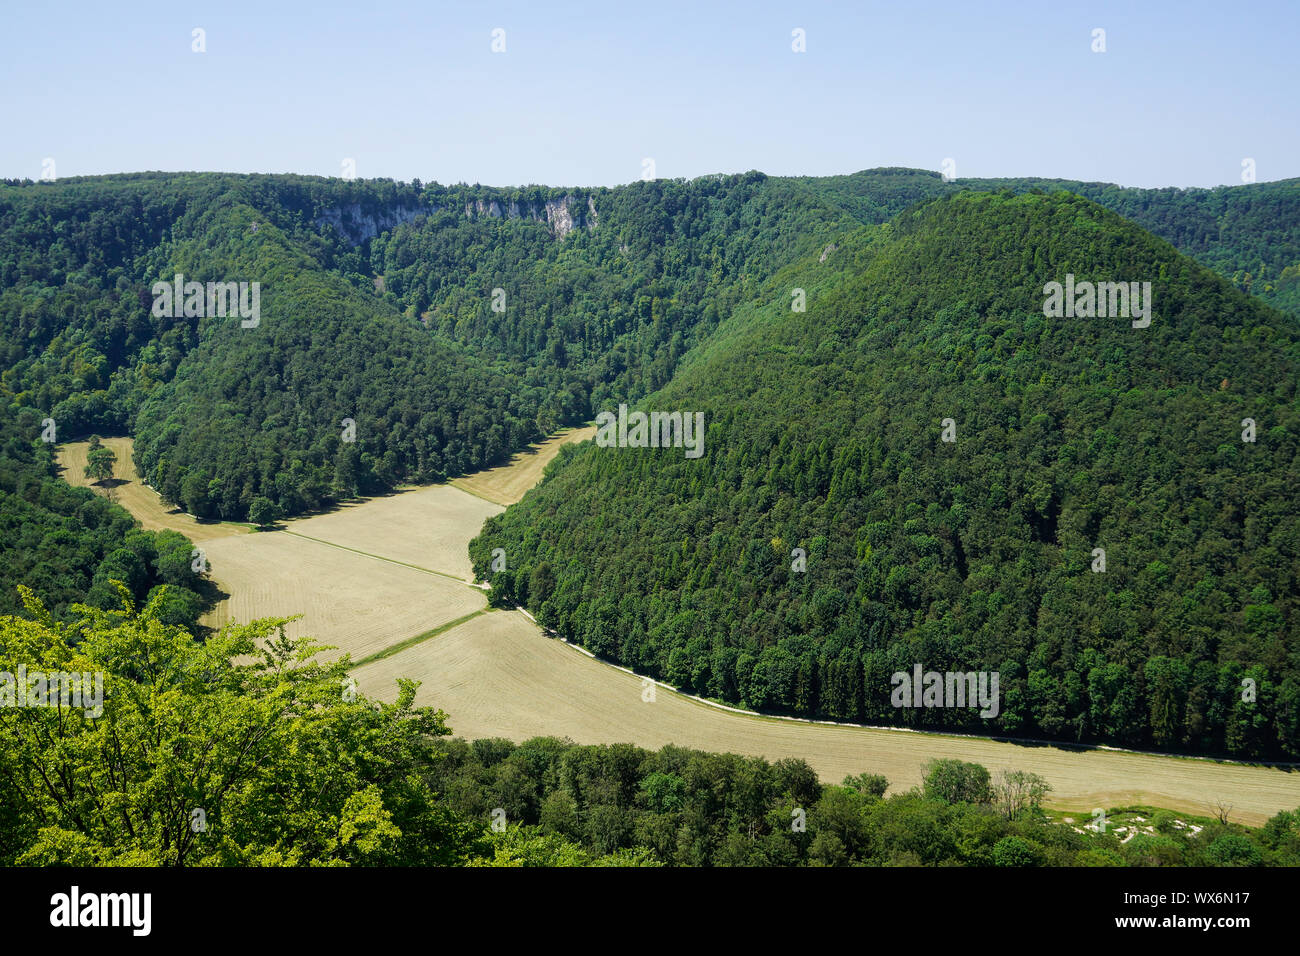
(69, 544)
(823, 433)
(451, 324)
(1245, 233)
(260, 411)
(378, 301)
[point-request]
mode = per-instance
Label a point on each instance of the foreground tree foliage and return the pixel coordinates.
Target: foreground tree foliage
(955, 781)
(245, 751)
(565, 804)
(280, 766)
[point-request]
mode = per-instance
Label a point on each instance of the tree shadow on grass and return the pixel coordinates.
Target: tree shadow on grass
(211, 594)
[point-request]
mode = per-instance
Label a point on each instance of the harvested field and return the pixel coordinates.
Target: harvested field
(508, 483)
(497, 675)
(137, 497)
(358, 603)
(428, 527)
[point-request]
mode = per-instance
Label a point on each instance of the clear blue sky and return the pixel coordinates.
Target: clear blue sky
(584, 92)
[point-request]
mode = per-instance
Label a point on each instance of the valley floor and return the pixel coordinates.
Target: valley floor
(389, 581)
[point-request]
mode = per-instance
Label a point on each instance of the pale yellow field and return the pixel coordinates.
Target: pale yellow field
(508, 483)
(358, 603)
(428, 527)
(498, 676)
(137, 497)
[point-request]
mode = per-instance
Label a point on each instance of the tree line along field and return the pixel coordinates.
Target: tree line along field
(354, 601)
(372, 575)
(134, 495)
(499, 676)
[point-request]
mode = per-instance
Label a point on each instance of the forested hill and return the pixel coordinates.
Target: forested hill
(449, 325)
(824, 433)
(1249, 234)
(263, 411)
(69, 544)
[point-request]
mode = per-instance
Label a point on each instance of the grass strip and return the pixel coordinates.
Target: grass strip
(478, 495)
(412, 641)
(380, 557)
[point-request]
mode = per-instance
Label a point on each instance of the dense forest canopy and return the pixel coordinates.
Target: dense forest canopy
(413, 332)
(1245, 233)
(452, 324)
(70, 544)
(436, 380)
(824, 435)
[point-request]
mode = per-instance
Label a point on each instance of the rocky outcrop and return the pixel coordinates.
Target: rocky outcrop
(357, 225)
(561, 216)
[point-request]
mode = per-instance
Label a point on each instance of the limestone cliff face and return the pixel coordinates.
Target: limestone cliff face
(356, 225)
(561, 216)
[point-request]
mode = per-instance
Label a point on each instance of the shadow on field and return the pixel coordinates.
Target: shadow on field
(211, 594)
(1076, 748)
(349, 503)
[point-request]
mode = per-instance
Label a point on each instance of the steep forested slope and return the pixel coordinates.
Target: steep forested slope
(650, 271)
(260, 411)
(1249, 234)
(451, 325)
(824, 434)
(69, 544)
